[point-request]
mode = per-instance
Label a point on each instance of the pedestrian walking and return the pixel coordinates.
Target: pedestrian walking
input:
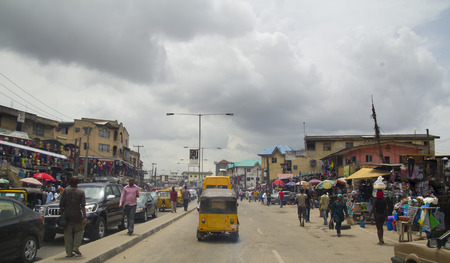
(128, 198)
(380, 212)
(186, 197)
(281, 196)
(255, 195)
(173, 200)
(301, 207)
(323, 207)
(72, 207)
(264, 197)
(308, 204)
(269, 198)
(337, 213)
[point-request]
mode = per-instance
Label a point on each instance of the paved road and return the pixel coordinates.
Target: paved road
(267, 234)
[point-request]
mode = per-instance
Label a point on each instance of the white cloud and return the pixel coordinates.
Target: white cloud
(274, 64)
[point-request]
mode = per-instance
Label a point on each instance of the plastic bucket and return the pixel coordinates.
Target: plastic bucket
(389, 226)
(362, 224)
(390, 218)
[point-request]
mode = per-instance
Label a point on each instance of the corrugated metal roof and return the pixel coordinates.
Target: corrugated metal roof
(281, 148)
(247, 163)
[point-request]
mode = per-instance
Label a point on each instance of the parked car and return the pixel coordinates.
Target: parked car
(433, 250)
(146, 205)
(102, 211)
(275, 200)
(21, 231)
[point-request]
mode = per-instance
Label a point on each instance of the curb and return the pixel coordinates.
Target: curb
(114, 250)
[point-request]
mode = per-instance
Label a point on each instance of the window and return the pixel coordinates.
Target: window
(108, 191)
(387, 159)
(65, 130)
(116, 191)
(103, 148)
(368, 158)
(85, 145)
(348, 144)
(38, 129)
(353, 159)
(249, 170)
(295, 167)
(327, 146)
(311, 146)
(103, 133)
(274, 159)
(249, 179)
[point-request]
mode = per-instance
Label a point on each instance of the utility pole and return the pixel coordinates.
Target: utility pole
(139, 160)
(377, 132)
(87, 132)
(154, 173)
(77, 156)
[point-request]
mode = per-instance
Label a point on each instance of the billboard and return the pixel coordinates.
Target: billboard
(193, 156)
(290, 155)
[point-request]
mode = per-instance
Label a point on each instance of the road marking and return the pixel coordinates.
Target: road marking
(259, 230)
(278, 256)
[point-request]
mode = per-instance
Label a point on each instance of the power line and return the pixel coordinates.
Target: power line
(33, 96)
(37, 109)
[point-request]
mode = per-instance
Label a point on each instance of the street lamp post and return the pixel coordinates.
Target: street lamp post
(154, 172)
(199, 130)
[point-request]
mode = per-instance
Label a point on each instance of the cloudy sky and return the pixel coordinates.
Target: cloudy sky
(274, 64)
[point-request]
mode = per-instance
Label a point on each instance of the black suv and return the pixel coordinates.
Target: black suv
(102, 211)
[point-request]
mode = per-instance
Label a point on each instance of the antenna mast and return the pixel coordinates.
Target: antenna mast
(377, 132)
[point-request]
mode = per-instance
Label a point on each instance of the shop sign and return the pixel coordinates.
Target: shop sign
(346, 170)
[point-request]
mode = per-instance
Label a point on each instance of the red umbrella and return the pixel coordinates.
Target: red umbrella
(279, 183)
(44, 176)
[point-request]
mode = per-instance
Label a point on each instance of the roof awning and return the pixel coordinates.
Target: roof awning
(33, 149)
(366, 173)
(285, 176)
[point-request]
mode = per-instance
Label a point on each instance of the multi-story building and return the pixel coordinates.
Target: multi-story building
(362, 148)
(108, 151)
(247, 173)
(282, 159)
(35, 127)
(276, 160)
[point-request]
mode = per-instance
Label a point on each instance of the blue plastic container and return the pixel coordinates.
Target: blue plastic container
(362, 224)
(389, 226)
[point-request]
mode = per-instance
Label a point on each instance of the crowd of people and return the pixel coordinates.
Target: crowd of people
(331, 204)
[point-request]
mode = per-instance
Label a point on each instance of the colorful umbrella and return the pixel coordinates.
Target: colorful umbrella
(326, 184)
(315, 181)
(279, 183)
(30, 180)
(3, 181)
(44, 176)
(291, 184)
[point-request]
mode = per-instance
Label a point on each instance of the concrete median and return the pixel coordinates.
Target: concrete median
(109, 246)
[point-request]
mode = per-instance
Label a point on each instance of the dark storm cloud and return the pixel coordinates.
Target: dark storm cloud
(120, 39)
